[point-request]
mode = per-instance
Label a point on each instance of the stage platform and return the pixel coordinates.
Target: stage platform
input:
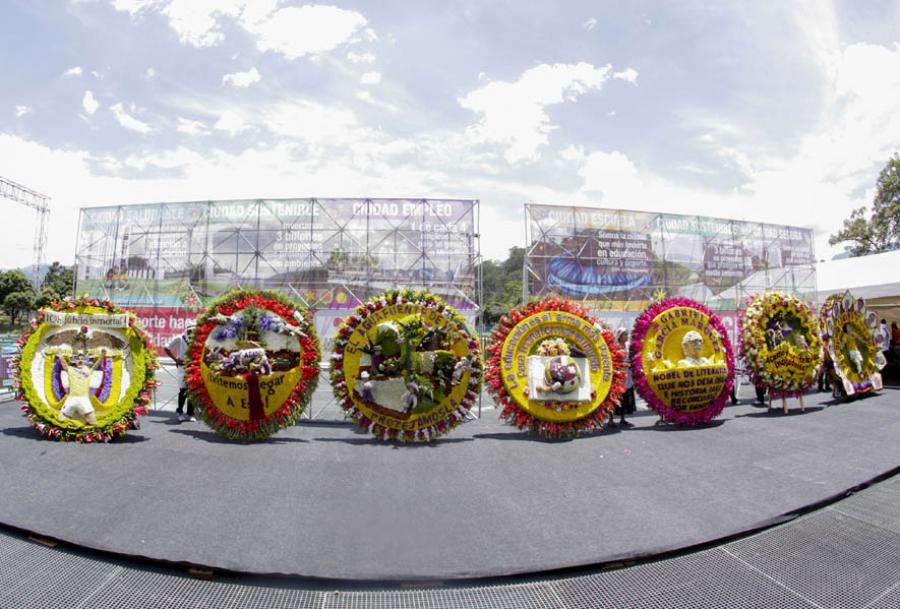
(326, 501)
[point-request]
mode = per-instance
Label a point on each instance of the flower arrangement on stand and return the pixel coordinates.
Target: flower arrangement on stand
(41, 398)
(554, 336)
(781, 344)
(253, 363)
(682, 361)
(853, 342)
(405, 366)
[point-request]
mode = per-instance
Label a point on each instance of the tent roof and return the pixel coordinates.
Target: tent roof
(874, 276)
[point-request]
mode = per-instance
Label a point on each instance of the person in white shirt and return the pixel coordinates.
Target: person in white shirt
(177, 349)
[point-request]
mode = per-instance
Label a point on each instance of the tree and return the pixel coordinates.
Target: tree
(18, 303)
(13, 281)
(58, 281)
(880, 232)
(502, 285)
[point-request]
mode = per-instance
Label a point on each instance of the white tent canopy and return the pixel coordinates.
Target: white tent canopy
(875, 278)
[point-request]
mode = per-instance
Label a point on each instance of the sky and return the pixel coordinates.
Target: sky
(781, 112)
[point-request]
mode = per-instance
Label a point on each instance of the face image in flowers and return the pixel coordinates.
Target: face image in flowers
(692, 347)
(784, 330)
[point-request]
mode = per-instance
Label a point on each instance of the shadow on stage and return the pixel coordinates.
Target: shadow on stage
(368, 440)
(676, 427)
(31, 433)
(778, 412)
(214, 438)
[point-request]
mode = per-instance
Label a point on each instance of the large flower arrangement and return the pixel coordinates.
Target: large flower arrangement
(420, 351)
(248, 315)
(780, 343)
(516, 406)
(642, 354)
(123, 415)
(853, 341)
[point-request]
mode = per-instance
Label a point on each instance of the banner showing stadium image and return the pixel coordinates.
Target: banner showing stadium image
(165, 261)
(616, 262)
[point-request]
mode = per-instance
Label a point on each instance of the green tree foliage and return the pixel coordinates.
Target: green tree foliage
(18, 303)
(502, 283)
(59, 281)
(13, 281)
(881, 231)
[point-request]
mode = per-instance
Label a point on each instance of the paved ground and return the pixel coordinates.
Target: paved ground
(324, 500)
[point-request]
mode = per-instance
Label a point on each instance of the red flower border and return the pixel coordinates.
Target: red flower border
(512, 412)
(339, 384)
(296, 403)
(87, 434)
(639, 334)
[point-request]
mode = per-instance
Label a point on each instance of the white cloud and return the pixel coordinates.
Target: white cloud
(129, 122)
(149, 73)
(628, 75)
(370, 78)
(22, 111)
(360, 58)
(231, 122)
(292, 31)
(242, 79)
(89, 103)
(369, 99)
(513, 114)
(307, 30)
(191, 127)
(589, 24)
(73, 71)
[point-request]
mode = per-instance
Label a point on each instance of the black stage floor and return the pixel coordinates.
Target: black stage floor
(326, 501)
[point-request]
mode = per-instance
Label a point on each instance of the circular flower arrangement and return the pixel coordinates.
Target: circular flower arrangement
(683, 362)
(253, 363)
(853, 341)
(84, 371)
(554, 370)
(405, 366)
(780, 343)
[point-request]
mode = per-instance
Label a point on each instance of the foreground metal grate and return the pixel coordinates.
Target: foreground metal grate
(832, 559)
(706, 580)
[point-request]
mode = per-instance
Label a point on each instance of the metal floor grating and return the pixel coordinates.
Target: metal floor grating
(843, 556)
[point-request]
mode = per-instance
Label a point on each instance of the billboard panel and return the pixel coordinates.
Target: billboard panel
(166, 260)
(618, 260)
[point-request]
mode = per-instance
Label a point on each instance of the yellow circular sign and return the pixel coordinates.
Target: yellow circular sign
(854, 348)
(231, 394)
(405, 366)
(556, 366)
(684, 359)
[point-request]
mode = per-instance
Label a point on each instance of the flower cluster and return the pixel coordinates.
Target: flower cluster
(787, 371)
(288, 413)
(642, 386)
(852, 341)
(422, 299)
(513, 412)
(132, 405)
(554, 346)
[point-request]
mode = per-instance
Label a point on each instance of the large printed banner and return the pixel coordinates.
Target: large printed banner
(620, 260)
(166, 260)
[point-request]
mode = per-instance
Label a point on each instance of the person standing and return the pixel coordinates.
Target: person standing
(627, 404)
(885, 340)
(177, 349)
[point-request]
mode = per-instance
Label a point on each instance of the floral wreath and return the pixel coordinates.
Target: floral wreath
(132, 404)
(208, 322)
(350, 324)
(781, 380)
(639, 334)
(853, 311)
(512, 412)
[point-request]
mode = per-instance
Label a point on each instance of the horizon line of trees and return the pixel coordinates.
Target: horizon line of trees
(18, 297)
